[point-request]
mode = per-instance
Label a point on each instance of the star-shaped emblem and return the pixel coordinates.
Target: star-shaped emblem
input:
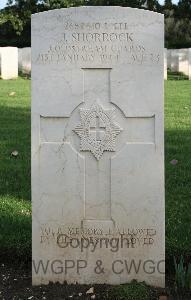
(97, 130)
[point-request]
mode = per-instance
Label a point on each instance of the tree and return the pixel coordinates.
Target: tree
(168, 4)
(177, 25)
(15, 22)
(184, 9)
(15, 19)
(152, 5)
(52, 4)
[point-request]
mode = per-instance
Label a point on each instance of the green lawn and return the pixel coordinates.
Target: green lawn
(178, 177)
(15, 194)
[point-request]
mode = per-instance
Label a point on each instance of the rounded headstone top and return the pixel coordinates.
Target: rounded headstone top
(98, 8)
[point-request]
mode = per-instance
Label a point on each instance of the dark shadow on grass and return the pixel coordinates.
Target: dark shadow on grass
(177, 76)
(15, 134)
(15, 177)
(178, 195)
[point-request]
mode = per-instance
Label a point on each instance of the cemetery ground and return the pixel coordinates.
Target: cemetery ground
(15, 196)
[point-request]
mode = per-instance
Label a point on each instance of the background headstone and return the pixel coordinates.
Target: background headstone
(97, 145)
(189, 62)
(174, 60)
(169, 59)
(165, 63)
(8, 62)
(183, 61)
(25, 60)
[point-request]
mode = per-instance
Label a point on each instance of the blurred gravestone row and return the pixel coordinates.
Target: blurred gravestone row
(14, 61)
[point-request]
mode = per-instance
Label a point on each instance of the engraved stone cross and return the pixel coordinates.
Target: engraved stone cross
(102, 130)
(97, 129)
(98, 204)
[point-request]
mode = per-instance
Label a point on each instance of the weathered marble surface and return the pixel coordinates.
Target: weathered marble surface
(97, 145)
(9, 62)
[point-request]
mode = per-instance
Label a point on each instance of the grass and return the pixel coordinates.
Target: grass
(15, 194)
(131, 291)
(178, 177)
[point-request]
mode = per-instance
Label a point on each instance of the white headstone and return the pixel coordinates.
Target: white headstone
(174, 60)
(25, 60)
(189, 63)
(97, 145)
(183, 61)
(9, 62)
(169, 58)
(165, 63)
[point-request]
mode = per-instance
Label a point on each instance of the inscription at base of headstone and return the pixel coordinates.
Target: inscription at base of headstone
(97, 146)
